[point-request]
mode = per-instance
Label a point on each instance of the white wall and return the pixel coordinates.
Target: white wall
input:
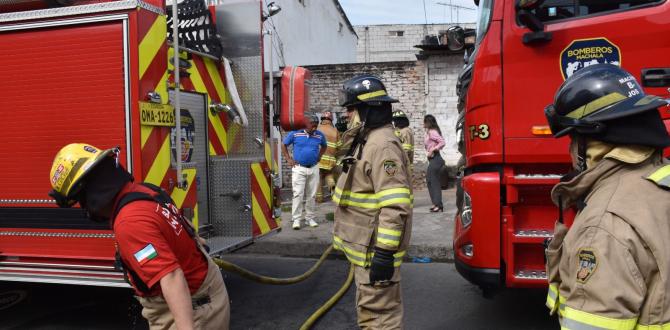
(310, 34)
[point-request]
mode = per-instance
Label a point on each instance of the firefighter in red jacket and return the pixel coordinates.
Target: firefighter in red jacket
(175, 280)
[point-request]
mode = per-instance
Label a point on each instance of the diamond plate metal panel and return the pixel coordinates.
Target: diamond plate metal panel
(247, 74)
(238, 25)
(230, 200)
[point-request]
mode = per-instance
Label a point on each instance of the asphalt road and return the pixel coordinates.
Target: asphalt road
(435, 297)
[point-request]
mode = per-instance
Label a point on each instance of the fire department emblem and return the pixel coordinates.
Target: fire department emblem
(390, 167)
(587, 264)
(187, 138)
(585, 52)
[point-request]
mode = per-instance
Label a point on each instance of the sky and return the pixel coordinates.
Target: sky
(369, 12)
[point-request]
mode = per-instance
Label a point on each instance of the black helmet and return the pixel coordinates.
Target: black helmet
(399, 114)
(364, 89)
(599, 100)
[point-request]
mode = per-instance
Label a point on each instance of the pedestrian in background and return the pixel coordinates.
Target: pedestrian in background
(175, 280)
(611, 269)
(308, 146)
(434, 142)
(328, 160)
(373, 217)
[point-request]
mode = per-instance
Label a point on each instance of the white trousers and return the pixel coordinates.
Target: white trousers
(305, 182)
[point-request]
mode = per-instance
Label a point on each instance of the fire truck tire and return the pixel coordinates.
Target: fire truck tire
(331, 302)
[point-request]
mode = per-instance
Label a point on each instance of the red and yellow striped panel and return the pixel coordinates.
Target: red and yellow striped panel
(155, 140)
(206, 76)
(261, 200)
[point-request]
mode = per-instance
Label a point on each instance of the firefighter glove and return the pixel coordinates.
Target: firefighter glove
(381, 268)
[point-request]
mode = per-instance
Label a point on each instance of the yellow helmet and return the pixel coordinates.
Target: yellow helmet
(71, 164)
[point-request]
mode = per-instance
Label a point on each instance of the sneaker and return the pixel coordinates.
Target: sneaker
(312, 223)
(296, 224)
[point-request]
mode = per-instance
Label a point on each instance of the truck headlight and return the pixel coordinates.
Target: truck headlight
(466, 214)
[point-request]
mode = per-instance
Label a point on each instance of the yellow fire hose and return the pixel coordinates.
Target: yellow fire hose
(225, 265)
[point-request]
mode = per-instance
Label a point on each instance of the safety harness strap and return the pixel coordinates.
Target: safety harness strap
(166, 201)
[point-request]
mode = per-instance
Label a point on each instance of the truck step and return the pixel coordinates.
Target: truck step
(531, 274)
(534, 233)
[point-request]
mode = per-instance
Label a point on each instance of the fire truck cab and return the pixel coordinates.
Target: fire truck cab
(523, 51)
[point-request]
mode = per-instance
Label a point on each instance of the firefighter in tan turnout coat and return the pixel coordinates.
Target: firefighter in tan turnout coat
(611, 269)
(373, 196)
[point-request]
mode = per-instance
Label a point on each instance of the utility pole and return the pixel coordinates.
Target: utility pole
(452, 7)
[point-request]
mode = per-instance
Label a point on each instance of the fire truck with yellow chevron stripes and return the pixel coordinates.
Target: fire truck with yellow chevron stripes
(186, 106)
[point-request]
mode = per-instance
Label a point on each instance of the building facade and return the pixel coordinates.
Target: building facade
(310, 32)
(394, 42)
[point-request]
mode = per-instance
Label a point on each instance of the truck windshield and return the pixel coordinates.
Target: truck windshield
(484, 11)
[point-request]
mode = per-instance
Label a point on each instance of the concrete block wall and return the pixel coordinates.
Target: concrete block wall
(422, 87)
(378, 43)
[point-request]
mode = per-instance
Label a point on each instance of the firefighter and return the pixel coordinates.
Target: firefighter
(611, 269)
(373, 215)
(406, 135)
(175, 280)
(328, 160)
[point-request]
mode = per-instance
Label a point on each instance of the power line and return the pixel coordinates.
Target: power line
(425, 15)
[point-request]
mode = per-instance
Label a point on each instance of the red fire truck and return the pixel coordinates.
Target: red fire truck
(524, 50)
(103, 72)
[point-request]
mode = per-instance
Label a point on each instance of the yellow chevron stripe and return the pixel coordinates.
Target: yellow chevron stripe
(145, 132)
(211, 149)
(262, 181)
(259, 217)
(179, 195)
(215, 75)
(160, 165)
(162, 88)
(219, 130)
(195, 217)
(151, 43)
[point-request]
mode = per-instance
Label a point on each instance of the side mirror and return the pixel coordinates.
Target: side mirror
(455, 38)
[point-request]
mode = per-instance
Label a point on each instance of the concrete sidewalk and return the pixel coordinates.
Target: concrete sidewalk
(431, 232)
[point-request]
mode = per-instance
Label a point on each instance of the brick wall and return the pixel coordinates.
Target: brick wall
(422, 87)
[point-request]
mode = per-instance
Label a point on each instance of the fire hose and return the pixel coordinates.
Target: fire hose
(225, 265)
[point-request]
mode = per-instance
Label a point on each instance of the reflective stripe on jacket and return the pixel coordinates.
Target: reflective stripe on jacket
(374, 200)
(611, 270)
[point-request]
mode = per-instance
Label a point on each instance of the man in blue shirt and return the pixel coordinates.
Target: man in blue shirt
(309, 144)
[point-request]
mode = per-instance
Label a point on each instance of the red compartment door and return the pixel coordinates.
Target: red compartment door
(60, 85)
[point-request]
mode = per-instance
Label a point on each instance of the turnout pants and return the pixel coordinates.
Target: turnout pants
(211, 307)
(378, 306)
(305, 181)
(326, 178)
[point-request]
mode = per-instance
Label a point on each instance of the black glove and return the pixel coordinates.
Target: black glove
(381, 268)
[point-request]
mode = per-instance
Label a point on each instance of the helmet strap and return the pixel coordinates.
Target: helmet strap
(581, 153)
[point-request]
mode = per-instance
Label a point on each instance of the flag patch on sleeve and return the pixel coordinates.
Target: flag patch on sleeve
(146, 254)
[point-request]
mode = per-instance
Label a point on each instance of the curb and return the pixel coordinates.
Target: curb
(315, 248)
